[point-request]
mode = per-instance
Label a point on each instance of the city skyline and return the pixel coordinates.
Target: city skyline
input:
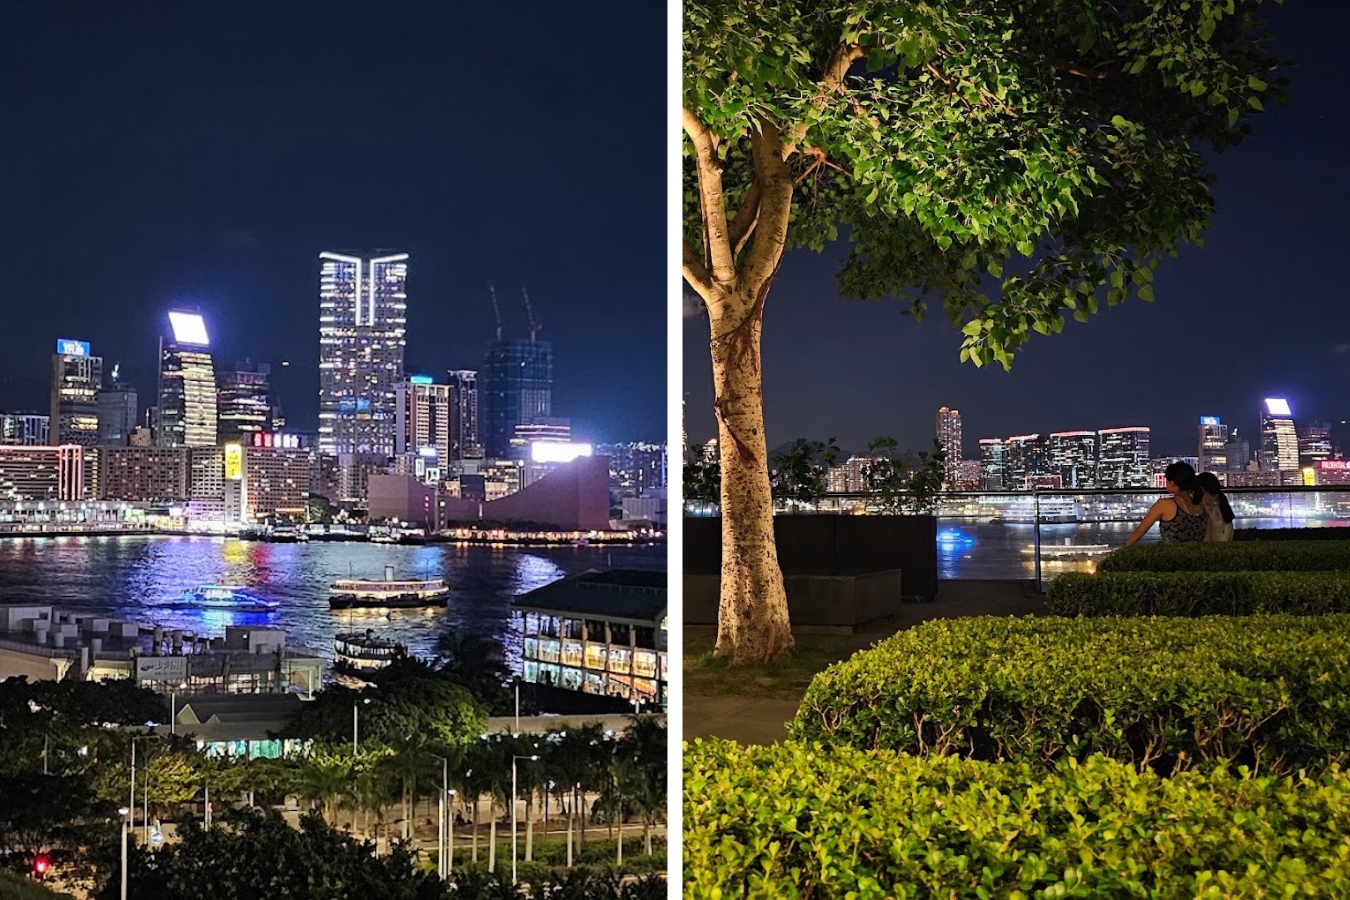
(140, 193)
(1242, 318)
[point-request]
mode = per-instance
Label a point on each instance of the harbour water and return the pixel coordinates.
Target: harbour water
(142, 578)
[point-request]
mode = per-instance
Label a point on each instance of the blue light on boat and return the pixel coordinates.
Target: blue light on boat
(953, 539)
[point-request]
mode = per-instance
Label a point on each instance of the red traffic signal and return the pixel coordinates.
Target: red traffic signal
(42, 863)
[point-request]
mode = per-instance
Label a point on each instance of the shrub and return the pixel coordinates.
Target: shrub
(798, 821)
(1198, 593)
(1248, 556)
(1292, 534)
(1271, 692)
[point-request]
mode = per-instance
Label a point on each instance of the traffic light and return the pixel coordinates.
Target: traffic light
(42, 864)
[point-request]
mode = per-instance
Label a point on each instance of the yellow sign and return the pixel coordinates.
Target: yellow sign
(234, 462)
(1310, 476)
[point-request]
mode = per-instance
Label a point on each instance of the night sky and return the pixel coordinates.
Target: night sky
(203, 154)
(1259, 311)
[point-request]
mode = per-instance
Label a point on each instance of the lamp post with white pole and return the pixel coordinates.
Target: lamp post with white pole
(356, 725)
(514, 760)
(440, 825)
(125, 813)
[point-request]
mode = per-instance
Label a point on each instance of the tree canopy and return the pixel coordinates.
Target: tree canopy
(1004, 160)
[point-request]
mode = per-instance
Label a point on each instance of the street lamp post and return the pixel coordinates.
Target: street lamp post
(514, 760)
(126, 836)
(440, 825)
(517, 685)
(450, 836)
(173, 707)
(356, 725)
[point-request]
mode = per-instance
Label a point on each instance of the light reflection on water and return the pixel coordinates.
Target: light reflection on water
(143, 578)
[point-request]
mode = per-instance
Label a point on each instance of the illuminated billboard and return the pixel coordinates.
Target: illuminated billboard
(67, 347)
(420, 379)
(546, 452)
(234, 462)
(188, 328)
(1209, 420)
(1278, 406)
(277, 440)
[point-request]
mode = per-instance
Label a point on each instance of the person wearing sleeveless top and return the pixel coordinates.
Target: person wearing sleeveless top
(1217, 508)
(1181, 517)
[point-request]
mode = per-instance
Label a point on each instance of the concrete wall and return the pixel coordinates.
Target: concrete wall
(573, 498)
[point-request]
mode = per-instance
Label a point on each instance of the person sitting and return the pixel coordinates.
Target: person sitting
(1217, 509)
(1181, 517)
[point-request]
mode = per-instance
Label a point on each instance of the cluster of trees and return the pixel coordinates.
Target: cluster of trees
(899, 481)
(66, 749)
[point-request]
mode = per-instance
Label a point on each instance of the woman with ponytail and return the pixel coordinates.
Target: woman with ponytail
(1181, 517)
(1217, 508)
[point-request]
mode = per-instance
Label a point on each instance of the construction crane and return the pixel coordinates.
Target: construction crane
(497, 311)
(529, 313)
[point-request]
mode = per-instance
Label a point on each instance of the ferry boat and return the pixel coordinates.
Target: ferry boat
(360, 654)
(228, 596)
(353, 593)
(1068, 551)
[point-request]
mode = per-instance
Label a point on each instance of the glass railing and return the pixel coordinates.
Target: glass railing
(1036, 536)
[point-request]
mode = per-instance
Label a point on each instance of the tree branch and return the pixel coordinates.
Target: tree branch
(775, 206)
(712, 203)
(696, 274)
(746, 217)
(831, 82)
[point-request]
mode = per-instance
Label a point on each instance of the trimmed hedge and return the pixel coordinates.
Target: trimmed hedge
(798, 821)
(1249, 556)
(1198, 593)
(1292, 534)
(1272, 693)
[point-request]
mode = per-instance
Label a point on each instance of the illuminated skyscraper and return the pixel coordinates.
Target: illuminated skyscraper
(1123, 459)
(993, 465)
(25, 429)
(187, 385)
(1314, 444)
(1213, 445)
(516, 384)
(77, 377)
(362, 335)
(1279, 437)
(1073, 457)
(465, 442)
(423, 420)
(244, 394)
(1027, 457)
(949, 435)
(117, 411)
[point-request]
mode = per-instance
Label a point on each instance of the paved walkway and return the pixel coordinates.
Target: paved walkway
(756, 720)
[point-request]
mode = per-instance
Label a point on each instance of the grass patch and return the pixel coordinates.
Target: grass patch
(708, 676)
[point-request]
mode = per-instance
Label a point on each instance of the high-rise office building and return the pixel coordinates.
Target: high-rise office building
(949, 436)
(516, 388)
(465, 442)
(244, 397)
(423, 420)
(1213, 455)
(1073, 457)
(1237, 451)
(25, 429)
(363, 305)
(1315, 444)
(1027, 457)
(188, 415)
(42, 473)
(1123, 458)
(993, 465)
(117, 411)
(77, 377)
(1279, 437)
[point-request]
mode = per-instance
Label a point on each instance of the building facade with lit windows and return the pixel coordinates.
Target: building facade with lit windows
(42, 473)
(1073, 457)
(1279, 437)
(1315, 444)
(949, 436)
(515, 388)
(187, 413)
(145, 474)
(77, 377)
(25, 429)
(465, 442)
(274, 471)
(601, 633)
(423, 421)
(993, 464)
(363, 305)
(118, 412)
(1123, 458)
(1027, 457)
(244, 396)
(1213, 456)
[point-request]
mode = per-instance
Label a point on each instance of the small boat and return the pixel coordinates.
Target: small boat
(361, 654)
(1068, 551)
(228, 596)
(355, 593)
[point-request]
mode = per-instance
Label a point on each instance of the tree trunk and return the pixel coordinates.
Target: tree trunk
(529, 828)
(407, 810)
(473, 816)
(752, 618)
(570, 810)
(647, 837)
(492, 835)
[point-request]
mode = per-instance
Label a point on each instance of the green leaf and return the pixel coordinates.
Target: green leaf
(1255, 103)
(1146, 293)
(1255, 83)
